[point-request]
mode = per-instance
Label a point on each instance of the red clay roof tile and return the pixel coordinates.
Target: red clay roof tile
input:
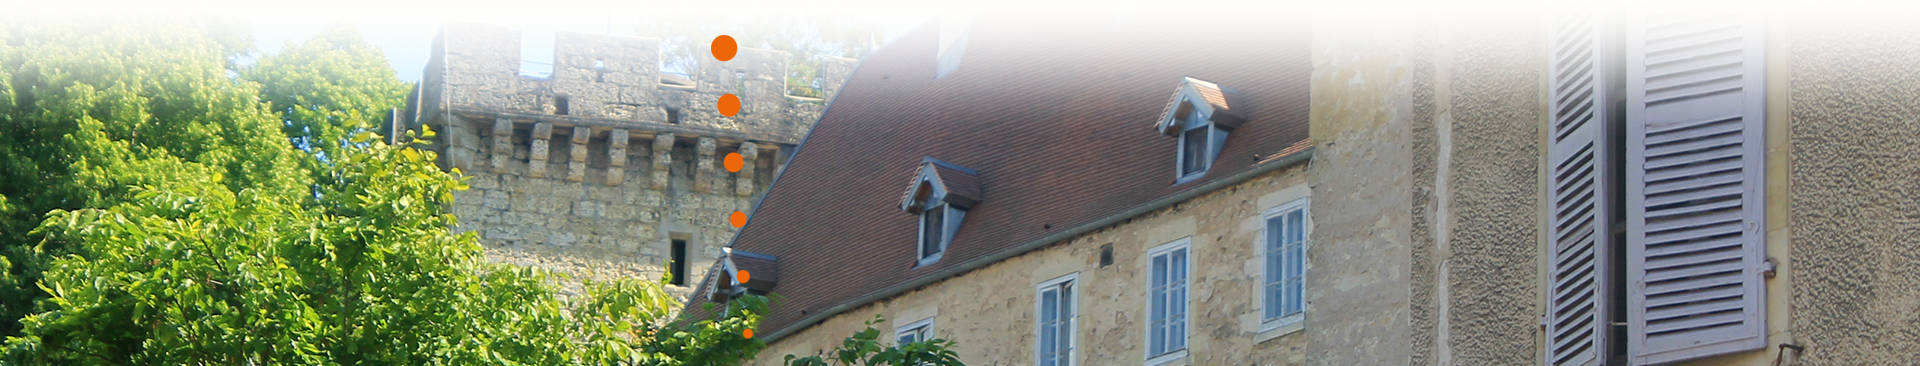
(1052, 113)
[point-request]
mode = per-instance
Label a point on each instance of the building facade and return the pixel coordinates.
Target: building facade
(1708, 186)
(605, 167)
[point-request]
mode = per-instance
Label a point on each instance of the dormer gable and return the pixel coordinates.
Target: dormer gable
(723, 282)
(1202, 100)
(941, 181)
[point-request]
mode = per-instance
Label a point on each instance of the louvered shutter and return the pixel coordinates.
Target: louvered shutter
(1695, 113)
(1579, 300)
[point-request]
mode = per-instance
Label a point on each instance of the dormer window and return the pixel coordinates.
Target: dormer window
(1199, 115)
(941, 194)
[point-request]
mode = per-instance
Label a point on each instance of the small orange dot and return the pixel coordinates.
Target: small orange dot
(748, 333)
(744, 276)
(729, 105)
(738, 218)
(724, 47)
(734, 161)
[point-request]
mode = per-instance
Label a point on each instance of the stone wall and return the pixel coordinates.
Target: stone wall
(1357, 283)
(594, 170)
(989, 312)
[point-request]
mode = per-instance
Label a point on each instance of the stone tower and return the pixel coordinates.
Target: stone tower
(605, 168)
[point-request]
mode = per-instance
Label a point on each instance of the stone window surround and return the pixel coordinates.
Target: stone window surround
(1195, 119)
(1184, 243)
(1073, 318)
(922, 330)
(1274, 328)
(950, 217)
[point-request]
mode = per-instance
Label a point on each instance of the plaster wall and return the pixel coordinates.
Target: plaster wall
(1851, 143)
(1360, 122)
(1489, 111)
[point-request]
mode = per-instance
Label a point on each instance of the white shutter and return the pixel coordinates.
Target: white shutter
(1579, 296)
(1695, 113)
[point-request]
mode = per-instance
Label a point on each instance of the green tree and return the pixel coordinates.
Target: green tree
(164, 218)
(865, 348)
(157, 212)
(364, 272)
(91, 109)
(808, 37)
(327, 88)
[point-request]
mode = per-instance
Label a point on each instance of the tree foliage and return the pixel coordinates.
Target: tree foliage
(158, 211)
(865, 348)
(163, 205)
(327, 88)
(90, 109)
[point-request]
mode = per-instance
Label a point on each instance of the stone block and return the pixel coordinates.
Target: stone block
(539, 149)
(496, 200)
(577, 166)
(589, 209)
(569, 191)
(561, 239)
(502, 145)
(616, 157)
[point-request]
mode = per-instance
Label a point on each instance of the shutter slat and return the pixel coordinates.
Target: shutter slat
(1696, 296)
(1711, 178)
(1695, 153)
(1695, 308)
(1695, 255)
(1714, 188)
(1688, 234)
(1577, 323)
(1703, 321)
(1712, 268)
(1678, 288)
(1696, 245)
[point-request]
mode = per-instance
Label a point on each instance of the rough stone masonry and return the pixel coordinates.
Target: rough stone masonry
(603, 168)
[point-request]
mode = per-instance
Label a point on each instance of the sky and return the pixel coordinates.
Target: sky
(404, 29)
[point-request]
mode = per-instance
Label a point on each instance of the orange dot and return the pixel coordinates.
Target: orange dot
(729, 105)
(724, 47)
(744, 276)
(748, 333)
(734, 161)
(738, 218)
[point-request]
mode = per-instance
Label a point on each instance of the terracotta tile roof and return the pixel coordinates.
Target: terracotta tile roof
(1054, 114)
(962, 184)
(1221, 101)
(763, 271)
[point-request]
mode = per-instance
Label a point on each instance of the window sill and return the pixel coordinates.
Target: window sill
(1189, 178)
(1177, 358)
(1274, 329)
(935, 258)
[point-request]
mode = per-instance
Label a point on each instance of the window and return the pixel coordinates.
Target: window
(678, 266)
(1284, 245)
(1167, 302)
(937, 222)
(561, 105)
(1199, 115)
(940, 195)
(1193, 151)
(1054, 336)
(932, 233)
(919, 331)
(1657, 250)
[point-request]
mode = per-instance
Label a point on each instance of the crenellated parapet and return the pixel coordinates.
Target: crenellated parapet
(605, 167)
